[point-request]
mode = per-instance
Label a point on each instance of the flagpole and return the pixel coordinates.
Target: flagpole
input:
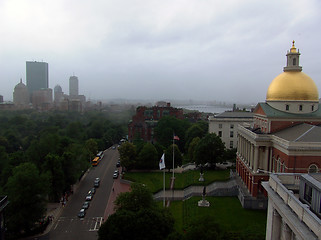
(164, 186)
(173, 158)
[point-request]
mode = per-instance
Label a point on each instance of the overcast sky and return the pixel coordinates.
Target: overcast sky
(159, 49)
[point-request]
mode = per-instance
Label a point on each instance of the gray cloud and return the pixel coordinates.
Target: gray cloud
(206, 50)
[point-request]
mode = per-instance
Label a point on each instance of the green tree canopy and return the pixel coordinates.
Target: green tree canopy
(192, 147)
(127, 153)
(26, 190)
(167, 126)
(148, 157)
(210, 149)
(194, 131)
(137, 217)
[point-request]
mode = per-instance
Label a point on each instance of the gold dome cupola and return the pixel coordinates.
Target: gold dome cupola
(293, 91)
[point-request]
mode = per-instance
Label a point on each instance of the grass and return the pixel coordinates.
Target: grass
(154, 180)
(227, 212)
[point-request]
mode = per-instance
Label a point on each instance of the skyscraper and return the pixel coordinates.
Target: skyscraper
(73, 86)
(37, 76)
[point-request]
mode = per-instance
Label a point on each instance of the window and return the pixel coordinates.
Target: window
(312, 108)
(231, 144)
(220, 125)
(287, 107)
(294, 61)
(231, 133)
(313, 168)
(232, 126)
(220, 133)
(300, 108)
(308, 193)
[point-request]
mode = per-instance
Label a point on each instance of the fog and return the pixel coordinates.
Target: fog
(134, 49)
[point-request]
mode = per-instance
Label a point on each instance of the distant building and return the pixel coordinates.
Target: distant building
(143, 123)
(73, 86)
(58, 94)
(286, 133)
(1, 98)
(42, 99)
(37, 76)
(293, 206)
(21, 95)
(225, 125)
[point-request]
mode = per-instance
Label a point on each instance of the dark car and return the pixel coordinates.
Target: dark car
(82, 213)
(118, 164)
(85, 205)
(96, 182)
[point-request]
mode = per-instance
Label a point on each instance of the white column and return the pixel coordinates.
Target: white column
(286, 232)
(276, 225)
(256, 158)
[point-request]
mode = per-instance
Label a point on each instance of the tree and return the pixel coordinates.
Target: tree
(26, 190)
(92, 147)
(194, 131)
(127, 152)
(192, 147)
(147, 158)
(138, 198)
(169, 125)
(204, 228)
(210, 149)
(178, 159)
(137, 217)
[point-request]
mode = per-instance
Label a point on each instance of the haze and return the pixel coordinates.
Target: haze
(134, 49)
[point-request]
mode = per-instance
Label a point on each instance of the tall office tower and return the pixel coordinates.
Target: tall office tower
(73, 86)
(37, 76)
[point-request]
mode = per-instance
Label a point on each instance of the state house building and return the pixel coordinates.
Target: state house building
(286, 134)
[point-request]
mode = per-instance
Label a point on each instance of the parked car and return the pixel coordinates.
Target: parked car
(96, 182)
(82, 213)
(85, 205)
(89, 197)
(118, 164)
(115, 175)
(93, 190)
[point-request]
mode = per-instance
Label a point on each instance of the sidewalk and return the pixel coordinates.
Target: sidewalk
(118, 187)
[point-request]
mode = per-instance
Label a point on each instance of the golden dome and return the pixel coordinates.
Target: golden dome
(292, 86)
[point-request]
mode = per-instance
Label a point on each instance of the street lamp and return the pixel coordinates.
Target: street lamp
(263, 171)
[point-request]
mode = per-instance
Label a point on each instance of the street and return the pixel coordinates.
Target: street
(68, 225)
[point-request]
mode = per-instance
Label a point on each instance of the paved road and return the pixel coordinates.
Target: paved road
(68, 225)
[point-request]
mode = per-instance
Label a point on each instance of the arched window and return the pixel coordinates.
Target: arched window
(294, 61)
(312, 108)
(300, 108)
(313, 168)
(287, 107)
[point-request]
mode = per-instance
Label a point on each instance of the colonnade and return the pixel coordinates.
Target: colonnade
(279, 228)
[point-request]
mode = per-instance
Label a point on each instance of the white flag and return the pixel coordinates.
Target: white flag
(162, 162)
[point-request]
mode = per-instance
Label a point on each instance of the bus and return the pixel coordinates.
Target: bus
(95, 161)
(100, 154)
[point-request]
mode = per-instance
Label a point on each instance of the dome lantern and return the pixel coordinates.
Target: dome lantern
(293, 57)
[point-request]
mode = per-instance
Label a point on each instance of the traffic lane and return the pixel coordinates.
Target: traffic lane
(69, 225)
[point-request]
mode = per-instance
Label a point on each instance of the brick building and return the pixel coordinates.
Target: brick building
(145, 120)
(285, 136)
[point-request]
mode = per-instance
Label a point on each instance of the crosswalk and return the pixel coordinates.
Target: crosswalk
(90, 224)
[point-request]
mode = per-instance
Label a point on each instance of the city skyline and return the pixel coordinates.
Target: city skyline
(180, 50)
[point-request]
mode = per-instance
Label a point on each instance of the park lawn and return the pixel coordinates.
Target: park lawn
(228, 213)
(154, 180)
